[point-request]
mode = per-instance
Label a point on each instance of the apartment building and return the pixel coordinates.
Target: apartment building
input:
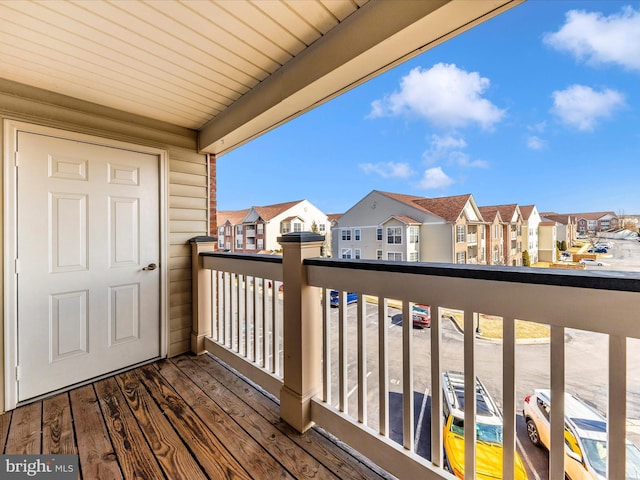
(511, 222)
(530, 222)
(398, 227)
(590, 223)
(566, 226)
(494, 235)
(256, 230)
(548, 236)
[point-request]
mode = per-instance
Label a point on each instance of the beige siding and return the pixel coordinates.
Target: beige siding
(188, 213)
(438, 246)
(187, 196)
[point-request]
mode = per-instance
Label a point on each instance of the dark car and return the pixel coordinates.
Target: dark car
(334, 298)
(597, 250)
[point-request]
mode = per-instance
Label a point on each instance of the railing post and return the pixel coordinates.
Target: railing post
(201, 293)
(302, 332)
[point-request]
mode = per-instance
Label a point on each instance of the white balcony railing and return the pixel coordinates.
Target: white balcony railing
(314, 359)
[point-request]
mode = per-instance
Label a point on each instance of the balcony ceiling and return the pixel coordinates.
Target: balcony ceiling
(228, 69)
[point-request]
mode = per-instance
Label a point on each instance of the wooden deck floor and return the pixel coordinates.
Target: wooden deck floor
(184, 418)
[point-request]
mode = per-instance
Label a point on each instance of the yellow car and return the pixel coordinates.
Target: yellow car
(488, 431)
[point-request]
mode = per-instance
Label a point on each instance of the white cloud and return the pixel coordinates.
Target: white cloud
(388, 169)
(448, 149)
(598, 39)
(434, 178)
(582, 107)
(444, 95)
(535, 143)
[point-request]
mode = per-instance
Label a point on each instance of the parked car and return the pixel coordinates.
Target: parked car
(421, 315)
(591, 261)
(334, 298)
(488, 431)
(585, 436)
(598, 250)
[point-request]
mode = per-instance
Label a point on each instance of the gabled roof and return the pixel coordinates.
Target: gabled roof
(267, 212)
(561, 218)
(403, 219)
(332, 217)
(447, 208)
(234, 217)
(507, 212)
(490, 213)
(526, 211)
(292, 217)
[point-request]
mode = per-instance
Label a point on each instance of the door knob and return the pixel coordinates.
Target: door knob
(151, 266)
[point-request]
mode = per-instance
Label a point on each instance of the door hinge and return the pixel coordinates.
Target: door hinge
(17, 266)
(16, 159)
(18, 373)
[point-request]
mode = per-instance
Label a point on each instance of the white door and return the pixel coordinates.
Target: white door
(87, 225)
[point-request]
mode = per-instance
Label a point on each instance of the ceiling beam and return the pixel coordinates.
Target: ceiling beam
(374, 39)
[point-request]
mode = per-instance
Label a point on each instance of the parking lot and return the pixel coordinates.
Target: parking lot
(586, 370)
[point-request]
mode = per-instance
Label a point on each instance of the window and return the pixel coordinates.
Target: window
(221, 242)
(519, 230)
(414, 234)
(395, 256)
(461, 257)
(260, 228)
(379, 234)
(379, 253)
(414, 257)
(346, 253)
(228, 230)
(394, 235)
(238, 243)
(297, 226)
(285, 227)
(496, 231)
(460, 233)
(221, 232)
(356, 234)
(322, 227)
(346, 234)
(356, 253)
(260, 244)
(239, 230)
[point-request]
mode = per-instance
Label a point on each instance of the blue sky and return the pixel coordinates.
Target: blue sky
(540, 105)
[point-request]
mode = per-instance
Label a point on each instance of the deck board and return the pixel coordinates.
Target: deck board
(183, 418)
(57, 428)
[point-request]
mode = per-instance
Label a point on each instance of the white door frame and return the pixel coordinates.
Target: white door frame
(10, 130)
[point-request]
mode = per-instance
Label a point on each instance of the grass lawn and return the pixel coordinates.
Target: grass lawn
(491, 326)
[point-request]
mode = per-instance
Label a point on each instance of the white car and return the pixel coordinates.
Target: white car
(591, 261)
(585, 436)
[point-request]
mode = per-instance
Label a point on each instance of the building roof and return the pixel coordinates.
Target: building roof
(267, 212)
(404, 219)
(234, 217)
(448, 208)
(507, 212)
(490, 213)
(561, 218)
(526, 211)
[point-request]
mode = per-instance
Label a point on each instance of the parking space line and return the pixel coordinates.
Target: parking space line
(423, 407)
(527, 459)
